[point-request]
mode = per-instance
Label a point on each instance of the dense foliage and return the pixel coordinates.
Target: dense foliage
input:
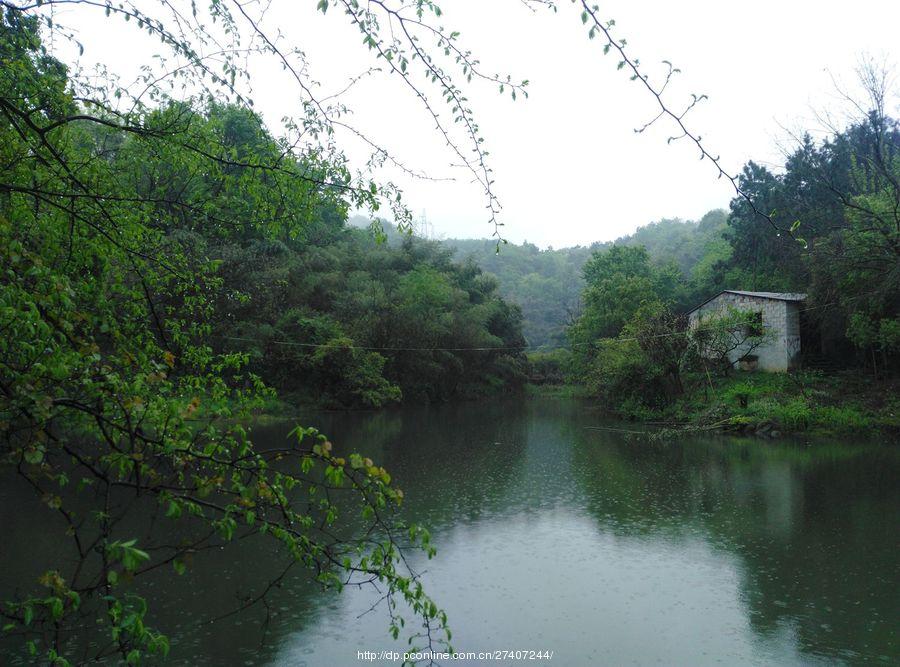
(694, 247)
(119, 406)
(620, 347)
(353, 322)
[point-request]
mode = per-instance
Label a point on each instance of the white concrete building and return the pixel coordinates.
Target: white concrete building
(779, 317)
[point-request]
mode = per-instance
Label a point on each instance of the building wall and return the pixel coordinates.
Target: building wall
(780, 319)
(792, 333)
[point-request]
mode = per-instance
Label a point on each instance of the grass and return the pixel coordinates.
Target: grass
(804, 401)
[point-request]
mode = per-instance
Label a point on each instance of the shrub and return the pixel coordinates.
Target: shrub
(549, 367)
(622, 376)
(742, 393)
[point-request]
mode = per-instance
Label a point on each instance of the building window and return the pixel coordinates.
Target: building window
(755, 324)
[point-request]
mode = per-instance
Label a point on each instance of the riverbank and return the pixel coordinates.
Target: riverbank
(769, 404)
(805, 401)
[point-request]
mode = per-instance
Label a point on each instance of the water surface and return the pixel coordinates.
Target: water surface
(555, 532)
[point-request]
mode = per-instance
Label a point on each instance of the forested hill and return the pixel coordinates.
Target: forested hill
(694, 246)
(547, 284)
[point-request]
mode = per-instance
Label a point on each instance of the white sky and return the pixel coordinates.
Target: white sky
(569, 168)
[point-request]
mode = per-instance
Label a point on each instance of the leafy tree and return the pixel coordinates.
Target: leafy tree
(640, 370)
(547, 284)
(617, 349)
(111, 395)
(120, 211)
(619, 280)
(840, 197)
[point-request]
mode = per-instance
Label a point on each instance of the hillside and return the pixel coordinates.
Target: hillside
(547, 284)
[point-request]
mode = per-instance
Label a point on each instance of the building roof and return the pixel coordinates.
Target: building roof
(777, 296)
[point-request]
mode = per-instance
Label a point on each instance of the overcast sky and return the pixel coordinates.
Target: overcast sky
(568, 165)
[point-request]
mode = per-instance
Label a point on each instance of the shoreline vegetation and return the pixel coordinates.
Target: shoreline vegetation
(767, 404)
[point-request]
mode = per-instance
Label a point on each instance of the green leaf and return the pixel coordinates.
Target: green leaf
(56, 608)
(174, 510)
(34, 455)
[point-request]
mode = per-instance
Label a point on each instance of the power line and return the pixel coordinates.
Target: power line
(373, 348)
(377, 349)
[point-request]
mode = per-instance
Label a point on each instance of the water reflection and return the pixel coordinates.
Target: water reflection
(604, 549)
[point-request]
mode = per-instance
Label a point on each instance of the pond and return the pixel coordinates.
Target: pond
(559, 531)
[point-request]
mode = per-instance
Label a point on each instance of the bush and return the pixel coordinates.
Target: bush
(549, 367)
(623, 377)
(742, 393)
